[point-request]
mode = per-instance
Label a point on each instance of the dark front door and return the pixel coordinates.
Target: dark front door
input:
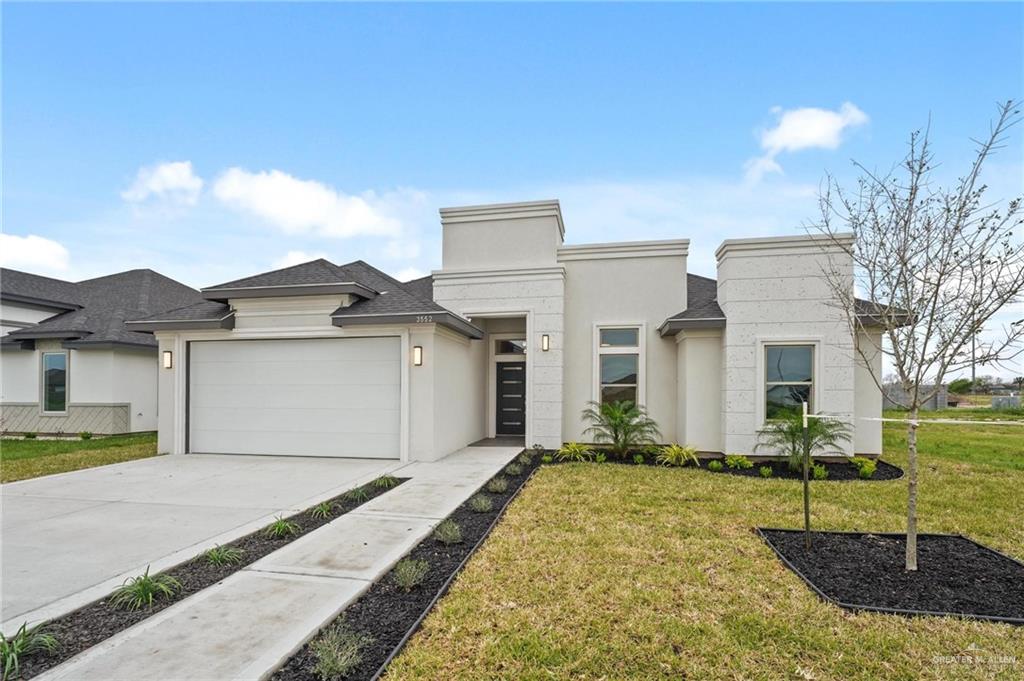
(511, 399)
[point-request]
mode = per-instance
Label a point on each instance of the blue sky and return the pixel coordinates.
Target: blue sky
(214, 141)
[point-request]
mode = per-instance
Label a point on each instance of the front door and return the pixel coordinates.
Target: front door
(510, 418)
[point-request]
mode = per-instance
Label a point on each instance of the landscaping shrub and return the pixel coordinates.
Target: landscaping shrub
(338, 651)
(481, 503)
(224, 555)
(141, 591)
(786, 434)
(85, 435)
(448, 532)
(323, 510)
(357, 495)
(676, 455)
(513, 469)
(638, 459)
(526, 458)
(715, 466)
(497, 485)
(600, 457)
(281, 529)
(409, 572)
(738, 462)
(574, 451)
(818, 471)
(765, 471)
(547, 458)
(24, 642)
(386, 481)
(623, 425)
(865, 467)
(30, 436)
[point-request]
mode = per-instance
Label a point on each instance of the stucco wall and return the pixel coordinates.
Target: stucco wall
(459, 398)
(868, 397)
(500, 237)
(699, 384)
(773, 291)
(21, 316)
(631, 291)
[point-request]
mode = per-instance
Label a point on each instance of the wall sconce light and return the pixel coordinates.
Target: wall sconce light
(545, 342)
(417, 355)
(168, 359)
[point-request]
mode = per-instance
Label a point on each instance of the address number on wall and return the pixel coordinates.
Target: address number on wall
(424, 319)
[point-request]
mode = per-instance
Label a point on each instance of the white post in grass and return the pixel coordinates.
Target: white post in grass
(807, 486)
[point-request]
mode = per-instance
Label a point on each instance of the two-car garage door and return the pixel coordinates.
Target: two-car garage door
(309, 397)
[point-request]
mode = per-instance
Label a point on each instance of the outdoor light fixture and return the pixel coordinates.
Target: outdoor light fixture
(545, 342)
(168, 359)
(417, 355)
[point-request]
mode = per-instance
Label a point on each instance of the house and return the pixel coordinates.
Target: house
(68, 362)
(511, 338)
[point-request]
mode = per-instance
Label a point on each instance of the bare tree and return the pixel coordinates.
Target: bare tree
(933, 264)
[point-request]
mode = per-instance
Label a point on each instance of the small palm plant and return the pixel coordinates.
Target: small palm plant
(26, 641)
(140, 592)
(787, 435)
(622, 425)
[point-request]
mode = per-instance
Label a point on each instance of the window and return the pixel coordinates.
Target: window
(515, 346)
(55, 382)
(619, 365)
(789, 379)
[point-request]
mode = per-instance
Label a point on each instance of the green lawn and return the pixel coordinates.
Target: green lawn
(993, 444)
(613, 572)
(21, 459)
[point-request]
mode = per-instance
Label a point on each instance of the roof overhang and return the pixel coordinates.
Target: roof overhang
(448, 320)
(32, 334)
(225, 293)
(672, 326)
(153, 325)
(38, 302)
(7, 344)
(107, 345)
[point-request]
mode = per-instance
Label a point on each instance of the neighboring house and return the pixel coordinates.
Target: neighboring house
(512, 337)
(69, 364)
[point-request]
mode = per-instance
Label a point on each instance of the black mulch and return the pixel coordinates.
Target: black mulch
(387, 613)
(840, 470)
(863, 571)
(98, 621)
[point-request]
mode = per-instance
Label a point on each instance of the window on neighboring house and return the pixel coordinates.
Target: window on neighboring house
(789, 380)
(619, 364)
(55, 382)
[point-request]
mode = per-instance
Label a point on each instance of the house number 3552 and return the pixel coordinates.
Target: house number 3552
(424, 319)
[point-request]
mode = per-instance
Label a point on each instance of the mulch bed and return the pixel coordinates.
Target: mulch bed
(864, 571)
(390, 615)
(98, 621)
(839, 470)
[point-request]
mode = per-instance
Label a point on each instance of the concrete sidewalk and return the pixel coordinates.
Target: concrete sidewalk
(247, 625)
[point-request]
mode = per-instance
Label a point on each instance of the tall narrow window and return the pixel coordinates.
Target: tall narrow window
(55, 381)
(619, 364)
(789, 379)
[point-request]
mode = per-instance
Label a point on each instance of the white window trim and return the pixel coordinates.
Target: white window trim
(760, 382)
(641, 350)
(42, 382)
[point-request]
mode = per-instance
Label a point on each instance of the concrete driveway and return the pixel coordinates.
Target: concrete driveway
(71, 538)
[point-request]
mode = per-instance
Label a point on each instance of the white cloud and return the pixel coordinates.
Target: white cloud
(34, 253)
(296, 258)
(804, 128)
(409, 273)
(175, 182)
(299, 206)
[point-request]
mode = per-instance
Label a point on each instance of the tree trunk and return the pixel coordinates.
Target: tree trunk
(912, 490)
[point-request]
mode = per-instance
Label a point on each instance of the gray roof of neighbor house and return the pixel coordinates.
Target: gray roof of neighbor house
(379, 298)
(33, 289)
(104, 304)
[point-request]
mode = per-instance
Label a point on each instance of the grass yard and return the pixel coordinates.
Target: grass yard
(21, 459)
(603, 571)
(996, 445)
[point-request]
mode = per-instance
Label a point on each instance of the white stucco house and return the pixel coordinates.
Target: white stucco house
(68, 364)
(511, 337)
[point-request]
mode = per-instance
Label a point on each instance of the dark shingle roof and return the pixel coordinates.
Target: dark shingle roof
(422, 287)
(313, 272)
(702, 308)
(395, 297)
(25, 287)
(107, 302)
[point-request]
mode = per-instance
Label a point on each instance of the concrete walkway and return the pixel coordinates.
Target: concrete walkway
(69, 539)
(247, 625)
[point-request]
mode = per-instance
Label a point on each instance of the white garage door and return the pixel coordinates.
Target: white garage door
(325, 397)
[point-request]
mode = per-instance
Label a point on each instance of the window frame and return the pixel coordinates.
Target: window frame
(640, 350)
(42, 382)
(763, 384)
